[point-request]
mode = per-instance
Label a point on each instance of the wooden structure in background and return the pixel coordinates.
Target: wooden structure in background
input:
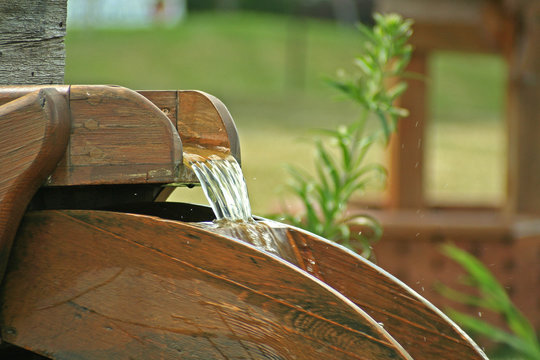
(508, 238)
(508, 28)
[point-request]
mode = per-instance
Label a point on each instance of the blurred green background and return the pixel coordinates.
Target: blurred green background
(269, 69)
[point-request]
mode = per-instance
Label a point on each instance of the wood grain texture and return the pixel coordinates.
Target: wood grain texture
(32, 41)
(118, 137)
(34, 131)
(121, 137)
(104, 285)
(202, 121)
(423, 330)
(197, 114)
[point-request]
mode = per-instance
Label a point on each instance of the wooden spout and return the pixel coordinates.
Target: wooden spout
(202, 121)
(120, 136)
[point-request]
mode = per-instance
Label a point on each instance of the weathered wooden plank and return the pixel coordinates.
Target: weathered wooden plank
(89, 284)
(32, 41)
(34, 131)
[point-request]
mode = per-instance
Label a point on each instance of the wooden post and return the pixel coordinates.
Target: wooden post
(524, 115)
(406, 148)
(32, 41)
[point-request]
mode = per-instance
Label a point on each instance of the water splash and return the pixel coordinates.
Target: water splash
(223, 183)
(263, 235)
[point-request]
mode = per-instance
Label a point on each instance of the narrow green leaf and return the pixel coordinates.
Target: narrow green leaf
(532, 351)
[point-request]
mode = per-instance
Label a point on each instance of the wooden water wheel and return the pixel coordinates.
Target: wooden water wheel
(94, 271)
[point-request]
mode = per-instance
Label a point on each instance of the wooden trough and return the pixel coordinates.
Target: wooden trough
(94, 266)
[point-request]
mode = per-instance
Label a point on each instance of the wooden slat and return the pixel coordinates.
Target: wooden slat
(117, 137)
(89, 284)
(34, 131)
(446, 223)
(417, 325)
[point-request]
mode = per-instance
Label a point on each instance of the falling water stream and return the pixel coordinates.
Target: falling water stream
(223, 184)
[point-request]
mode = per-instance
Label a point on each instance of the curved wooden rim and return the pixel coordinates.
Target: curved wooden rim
(38, 127)
(452, 342)
(425, 319)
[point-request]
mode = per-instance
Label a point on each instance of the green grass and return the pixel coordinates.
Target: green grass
(254, 64)
(466, 144)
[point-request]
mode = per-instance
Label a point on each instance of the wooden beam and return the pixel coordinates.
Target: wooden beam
(406, 148)
(32, 41)
(524, 116)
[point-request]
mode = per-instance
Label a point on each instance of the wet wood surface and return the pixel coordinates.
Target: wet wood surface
(34, 132)
(201, 119)
(104, 285)
(420, 328)
(423, 330)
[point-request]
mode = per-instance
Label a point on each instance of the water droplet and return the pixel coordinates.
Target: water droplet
(479, 314)
(381, 324)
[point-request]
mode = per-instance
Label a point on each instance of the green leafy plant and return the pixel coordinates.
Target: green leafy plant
(491, 296)
(341, 166)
